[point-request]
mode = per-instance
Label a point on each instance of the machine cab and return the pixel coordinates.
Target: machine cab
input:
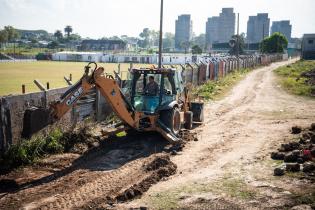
(151, 89)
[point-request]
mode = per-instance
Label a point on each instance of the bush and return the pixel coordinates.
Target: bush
(29, 151)
(213, 89)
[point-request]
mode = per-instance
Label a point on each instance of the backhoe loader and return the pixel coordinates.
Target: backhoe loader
(166, 112)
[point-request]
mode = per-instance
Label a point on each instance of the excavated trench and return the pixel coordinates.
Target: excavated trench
(115, 171)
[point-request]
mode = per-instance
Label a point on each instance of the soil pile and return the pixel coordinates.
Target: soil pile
(310, 75)
(297, 155)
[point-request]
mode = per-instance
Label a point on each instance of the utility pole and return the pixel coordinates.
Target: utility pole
(238, 41)
(161, 36)
(263, 32)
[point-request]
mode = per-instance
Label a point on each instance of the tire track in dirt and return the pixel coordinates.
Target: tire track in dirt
(115, 172)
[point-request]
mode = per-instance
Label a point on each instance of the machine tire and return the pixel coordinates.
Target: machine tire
(188, 117)
(171, 119)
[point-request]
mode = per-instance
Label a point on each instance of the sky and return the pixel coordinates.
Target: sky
(105, 18)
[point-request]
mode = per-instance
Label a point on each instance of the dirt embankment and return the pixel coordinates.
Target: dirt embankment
(117, 170)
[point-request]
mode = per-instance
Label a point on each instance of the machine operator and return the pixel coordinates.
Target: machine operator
(152, 88)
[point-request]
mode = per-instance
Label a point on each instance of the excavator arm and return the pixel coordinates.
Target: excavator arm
(106, 84)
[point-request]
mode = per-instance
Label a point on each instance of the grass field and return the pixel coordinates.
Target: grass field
(290, 77)
(13, 75)
(26, 51)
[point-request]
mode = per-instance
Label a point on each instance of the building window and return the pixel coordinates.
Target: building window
(310, 41)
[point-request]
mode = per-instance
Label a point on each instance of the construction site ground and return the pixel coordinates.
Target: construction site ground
(228, 165)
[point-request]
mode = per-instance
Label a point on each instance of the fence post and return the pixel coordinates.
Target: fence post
(70, 77)
(2, 139)
(39, 85)
(118, 69)
(23, 89)
(47, 86)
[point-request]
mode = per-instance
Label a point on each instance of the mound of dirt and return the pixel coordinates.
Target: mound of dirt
(82, 139)
(297, 155)
(310, 75)
(159, 167)
(310, 79)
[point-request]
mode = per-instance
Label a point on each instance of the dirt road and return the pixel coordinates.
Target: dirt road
(229, 167)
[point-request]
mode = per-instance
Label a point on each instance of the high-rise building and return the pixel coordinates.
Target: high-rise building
(220, 29)
(183, 31)
(258, 27)
(283, 27)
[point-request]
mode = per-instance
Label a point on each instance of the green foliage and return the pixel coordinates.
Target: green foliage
(27, 151)
(58, 34)
(68, 30)
(74, 37)
(150, 51)
(236, 188)
(8, 34)
(12, 33)
(196, 49)
(53, 142)
(214, 89)
(53, 45)
(237, 40)
(185, 45)
(200, 40)
(276, 43)
(3, 36)
(168, 41)
(291, 80)
(304, 197)
(149, 38)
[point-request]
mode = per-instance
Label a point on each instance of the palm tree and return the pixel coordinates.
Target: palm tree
(185, 45)
(68, 30)
(58, 34)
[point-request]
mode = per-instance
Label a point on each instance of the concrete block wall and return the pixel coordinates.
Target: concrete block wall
(12, 110)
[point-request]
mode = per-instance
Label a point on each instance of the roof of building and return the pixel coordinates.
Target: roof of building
(79, 53)
(308, 35)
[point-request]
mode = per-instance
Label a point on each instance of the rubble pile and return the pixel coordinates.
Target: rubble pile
(310, 79)
(297, 155)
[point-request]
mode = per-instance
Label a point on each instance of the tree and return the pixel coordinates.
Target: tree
(237, 41)
(200, 41)
(114, 38)
(154, 38)
(168, 41)
(3, 36)
(68, 30)
(276, 43)
(148, 38)
(145, 38)
(75, 37)
(53, 45)
(12, 33)
(58, 34)
(185, 45)
(196, 49)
